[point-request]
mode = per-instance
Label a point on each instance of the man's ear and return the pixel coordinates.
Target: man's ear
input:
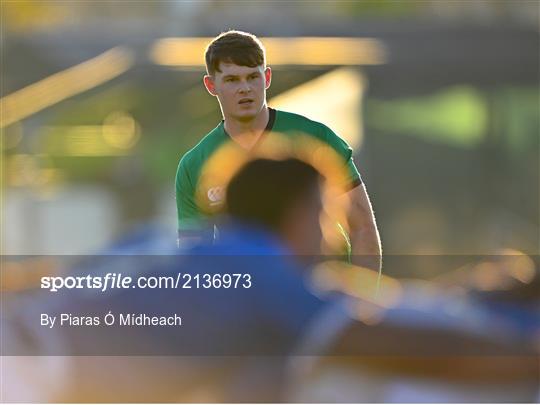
(267, 77)
(209, 84)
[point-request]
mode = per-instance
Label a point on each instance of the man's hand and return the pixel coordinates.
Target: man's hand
(363, 232)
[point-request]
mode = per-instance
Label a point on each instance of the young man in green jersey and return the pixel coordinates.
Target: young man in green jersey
(238, 76)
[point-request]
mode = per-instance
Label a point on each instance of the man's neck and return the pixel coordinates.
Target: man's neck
(247, 132)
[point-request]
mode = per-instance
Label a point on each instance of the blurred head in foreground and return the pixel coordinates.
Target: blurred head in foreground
(281, 196)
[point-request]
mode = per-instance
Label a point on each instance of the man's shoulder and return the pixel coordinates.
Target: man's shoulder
(201, 151)
(294, 124)
(298, 121)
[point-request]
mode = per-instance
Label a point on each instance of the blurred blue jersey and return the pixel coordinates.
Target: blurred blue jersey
(242, 295)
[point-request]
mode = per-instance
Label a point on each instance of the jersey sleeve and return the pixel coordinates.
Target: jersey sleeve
(189, 217)
(353, 178)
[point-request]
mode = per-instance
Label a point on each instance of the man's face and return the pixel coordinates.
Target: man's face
(241, 90)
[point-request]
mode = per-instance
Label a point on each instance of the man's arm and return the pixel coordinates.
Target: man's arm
(363, 232)
(189, 218)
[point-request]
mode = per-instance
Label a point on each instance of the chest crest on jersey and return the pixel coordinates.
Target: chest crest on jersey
(216, 195)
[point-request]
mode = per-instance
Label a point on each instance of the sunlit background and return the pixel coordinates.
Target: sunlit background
(439, 99)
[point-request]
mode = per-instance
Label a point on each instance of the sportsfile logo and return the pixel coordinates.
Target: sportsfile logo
(215, 195)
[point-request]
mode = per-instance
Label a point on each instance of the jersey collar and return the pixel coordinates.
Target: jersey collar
(271, 120)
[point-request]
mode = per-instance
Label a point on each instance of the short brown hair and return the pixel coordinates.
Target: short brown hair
(240, 48)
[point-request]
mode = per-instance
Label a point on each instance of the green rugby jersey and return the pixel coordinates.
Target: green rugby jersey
(202, 173)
